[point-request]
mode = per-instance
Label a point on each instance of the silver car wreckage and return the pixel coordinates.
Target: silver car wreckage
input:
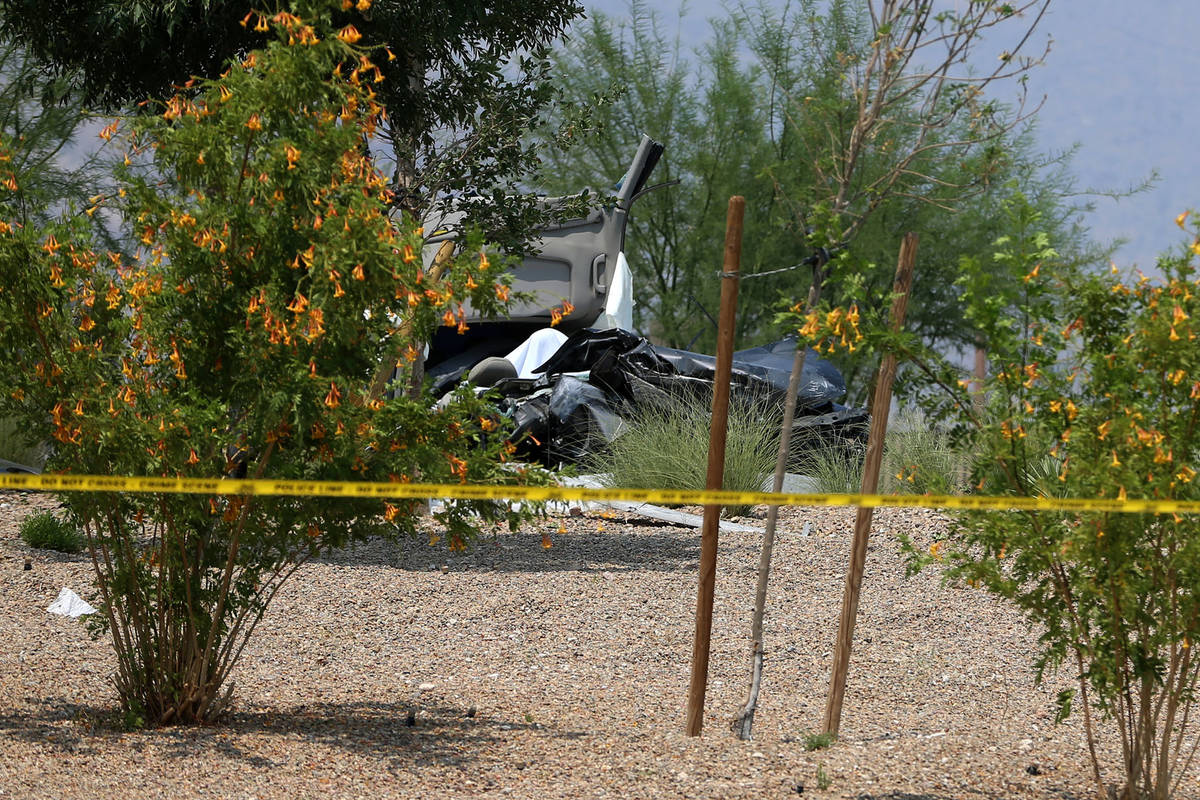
(570, 388)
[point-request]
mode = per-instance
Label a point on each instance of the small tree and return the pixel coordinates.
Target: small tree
(764, 108)
(465, 81)
(241, 339)
(881, 126)
(883, 116)
(889, 101)
(1106, 406)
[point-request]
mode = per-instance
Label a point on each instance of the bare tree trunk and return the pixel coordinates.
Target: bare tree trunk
(387, 370)
(744, 722)
(980, 376)
(404, 147)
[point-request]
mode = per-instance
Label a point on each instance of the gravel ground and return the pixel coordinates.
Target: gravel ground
(557, 673)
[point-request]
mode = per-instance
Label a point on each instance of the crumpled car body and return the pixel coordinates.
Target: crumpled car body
(581, 397)
(599, 379)
(575, 262)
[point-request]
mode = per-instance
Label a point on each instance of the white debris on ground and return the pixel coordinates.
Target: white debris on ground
(69, 604)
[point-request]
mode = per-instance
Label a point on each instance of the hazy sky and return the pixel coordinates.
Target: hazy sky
(1116, 82)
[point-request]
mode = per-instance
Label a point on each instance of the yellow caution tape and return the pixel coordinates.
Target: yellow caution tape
(422, 491)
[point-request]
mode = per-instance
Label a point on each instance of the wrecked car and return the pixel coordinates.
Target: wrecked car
(578, 262)
(579, 399)
(570, 388)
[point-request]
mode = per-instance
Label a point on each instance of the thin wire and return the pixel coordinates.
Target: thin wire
(821, 257)
(771, 272)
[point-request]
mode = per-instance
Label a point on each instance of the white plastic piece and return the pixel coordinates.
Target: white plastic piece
(618, 307)
(670, 515)
(69, 604)
(534, 351)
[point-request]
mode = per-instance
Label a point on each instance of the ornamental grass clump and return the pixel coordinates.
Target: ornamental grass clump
(46, 531)
(265, 289)
(919, 457)
(1101, 399)
(665, 446)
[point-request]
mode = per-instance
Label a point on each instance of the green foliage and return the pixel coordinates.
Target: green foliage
(48, 179)
(39, 187)
(931, 156)
(1005, 297)
(766, 109)
(708, 115)
(824, 781)
(132, 720)
(666, 447)
(243, 338)
(462, 82)
(118, 54)
(1096, 395)
(818, 741)
(469, 83)
(1001, 297)
(46, 531)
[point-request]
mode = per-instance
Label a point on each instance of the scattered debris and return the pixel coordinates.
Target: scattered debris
(571, 388)
(595, 380)
(649, 510)
(69, 604)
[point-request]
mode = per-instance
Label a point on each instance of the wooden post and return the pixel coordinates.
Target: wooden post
(716, 464)
(870, 482)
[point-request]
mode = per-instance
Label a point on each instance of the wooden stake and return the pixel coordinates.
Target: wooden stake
(870, 481)
(716, 464)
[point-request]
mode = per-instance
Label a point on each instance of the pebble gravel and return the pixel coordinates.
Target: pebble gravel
(517, 671)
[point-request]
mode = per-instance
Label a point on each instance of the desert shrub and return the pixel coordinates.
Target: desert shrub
(917, 459)
(46, 531)
(665, 446)
(1096, 394)
(920, 457)
(244, 337)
